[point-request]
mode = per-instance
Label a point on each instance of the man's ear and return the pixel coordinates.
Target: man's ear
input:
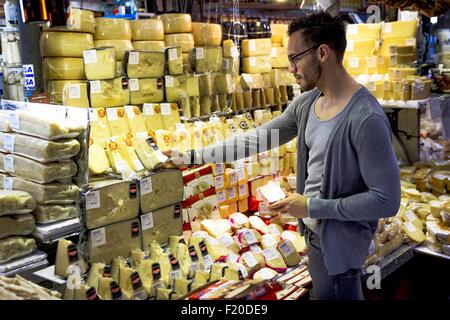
(324, 52)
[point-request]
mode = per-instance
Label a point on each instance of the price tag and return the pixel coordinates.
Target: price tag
(212, 241)
(199, 53)
(173, 54)
(169, 81)
(8, 163)
(250, 237)
(147, 221)
(8, 183)
(130, 111)
(410, 227)
(350, 46)
(269, 240)
(166, 109)
(233, 178)
(241, 174)
(371, 62)
(194, 267)
(251, 45)
(133, 57)
(90, 56)
(410, 42)
(231, 193)
(93, 116)
(352, 29)
(8, 142)
(252, 61)
(98, 237)
(222, 196)
(232, 257)
(274, 52)
(226, 240)
(95, 86)
(92, 200)
(14, 120)
(140, 294)
(219, 168)
(176, 274)
(243, 191)
(133, 85)
(249, 259)
(411, 216)
(149, 109)
(146, 186)
(273, 230)
(112, 114)
(387, 27)
(353, 62)
(247, 77)
(256, 249)
(271, 254)
(208, 262)
(286, 249)
(74, 91)
(219, 182)
(239, 218)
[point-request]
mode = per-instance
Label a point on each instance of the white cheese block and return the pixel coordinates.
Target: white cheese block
(297, 240)
(65, 44)
(207, 34)
(258, 224)
(176, 22)
(147, 30)
(216, 227)
(121, 46)
(63, 69)
(112, 29)
(185, 40)
(100, 64)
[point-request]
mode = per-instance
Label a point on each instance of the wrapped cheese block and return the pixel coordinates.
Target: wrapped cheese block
(16, 247)
(16, 225)
(248, 237)
(51, 193)
(110, 201)
(207, 34)
(36, 171)
(160, 189)
(98, 159)
(108, 289)
(174, 59)
(100, 63)
(279, 58)
(152, 116)
(289, 253)
(145, 64)
(149, 45)
(4, 121)
(176, 22)
(279, 31)
(120, 46)
(135, 119)
(147, 30)
(180, 87)
(147, 152)
(56, 88)
(77, 21)
(16, 202)
(75, 95)
(65, 44)
(185, 40)
(265, 274)
(39, 149)
(63, 69)
(239, 220)
(206, 59)
(256, 47)
(112, 29)
(114, 240)
(109, 93)
(55, 212)
(439, 231)
(66, 256)
(216, 227)
(258, 224)
(269, 240)
(259, 64)
(297, 240)
(274, 260)
(146, 90)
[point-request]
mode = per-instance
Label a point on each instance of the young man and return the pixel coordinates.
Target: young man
(347, 172)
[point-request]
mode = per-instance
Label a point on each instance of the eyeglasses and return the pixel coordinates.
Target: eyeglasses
(293, 59)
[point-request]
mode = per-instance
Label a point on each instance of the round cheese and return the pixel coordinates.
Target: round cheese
(65, 44)
(149, 45)
(112, 29)
(207, 34)
(176, 22)
(78, 21)
(185, 40)
(121, 46)
(147, 30)
(63, 69)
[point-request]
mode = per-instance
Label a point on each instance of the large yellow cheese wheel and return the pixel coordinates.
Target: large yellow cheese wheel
(185, 40)
(147, 30)
(63, 69)
(78, 21)
(176, 22)
(121, 46)
(207, 34)
(65, 44)
(112, 29)
(100, 64)
(149, 45)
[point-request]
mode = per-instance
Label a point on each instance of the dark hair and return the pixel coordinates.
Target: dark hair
(321, 28)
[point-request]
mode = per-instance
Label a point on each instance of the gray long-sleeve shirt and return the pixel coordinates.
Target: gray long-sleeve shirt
(361, 181)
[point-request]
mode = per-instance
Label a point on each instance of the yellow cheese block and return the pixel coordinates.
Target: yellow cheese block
(207, 34)
(389, 42)
(401, 59)
(125, 282)
(67, 255)
(100, 64)
(376, 88)
(401, 90)
(356, 65)
(149, 157)
(243, 205)
(289, 253)
(109, 93)
(135, 119)
(179, 87)
(65, 44)
(145, 64)
(75, 95)
(382, 64)
(128, 153)
(100, 129)
(95, 272)
(360, 48)
(147, 30)
(274, 260)
(152, 116)
(230, 50)
(397, 74)
(63, 69)
(279, 31)
(148, 90)
(181, 286)
(216, 227)
(118, 121)
(176, 22)
(149, 45)
(98, 159)
(413, 232)
(112, 29)
(363, 31)
(185, 40)
(56, 88)
(285, 41)
(420, 89)
(402, 50)
(170, 115)
(206, 59)
(279, 57)
(146, 275)
(174, 59)
(108, 289)
(239, 220)
(77, 21)
(231, 66)
(224, 84)
(269, 241)
(121, 46)
(258, 224)
(118, 163)
(116, 264)
(399, 29)
(256, 47)
(259, 64)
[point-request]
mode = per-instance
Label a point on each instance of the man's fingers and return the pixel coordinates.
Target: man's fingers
(279, 204)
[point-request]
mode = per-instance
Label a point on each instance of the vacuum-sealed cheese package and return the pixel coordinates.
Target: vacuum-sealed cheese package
(63, 69)
(54, 212)
(100, 63)
(145, 64)
(109, 93)
(16, 225)
(149, 90)
(16, 247)
(16, 202)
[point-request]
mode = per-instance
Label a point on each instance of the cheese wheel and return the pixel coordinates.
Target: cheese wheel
(149, 45)
(65, 44)
(176, 22)
(147, 30)
(121, 46)
(185, 40)
(112, 29)
(77, 21)
(207, 34)
(63, 69)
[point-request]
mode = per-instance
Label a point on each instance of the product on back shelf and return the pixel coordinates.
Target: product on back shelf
(56, 88)
(185, 40)
(279, 58)
(55, 212)
(67, 255)
(147, 30)
(120, 46)
(289, 253)
(109, 93)
(207, 34)
(15, 247)
(363, 31)
(206, 59)
(63, 69)
(176, 22)
(100, 64)
(259, 64)
(256, 47)
(231, 66)
(112, 29)
(77, 20)
(152, 116)
(360, 48)
(145, 64)
(149, 45)
(75, 95)
(174, 60)
(65, 44)
(16, 225)
(146, 90)
(279, 31)
(159, 224)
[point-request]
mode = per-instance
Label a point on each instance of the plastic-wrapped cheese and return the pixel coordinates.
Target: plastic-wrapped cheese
(174, 60)
(77, 21)
(39, 149)
(207, 34)
(112, 29)
(248, 237)
(65, 44)
(135, 119)
(439, 230)
(100, 63)
(180, 87)
(256, 47)
(206, 59)
(159, 224)
(258, 224)
(297, 240)
(4, 121)
(16, 247)
(239, 220)
(36, 171)
(269, 241)
(121, 46)
(75, 95)
(145, 64)
(147, 30)
(216, 227)
(54, 212)
(98, 159)
(413, 232)
(63, 69)
(279, 31)
(289, 253)
(176, 22)
(185, 40)
(149, 45)
(56, 88)
(280, 58)
(100, 128)
(259, 64)
(274, 260)
(66, 256)
(146, 150)
(16, 225)
(265, 274)
(148, 90)
(109, 93)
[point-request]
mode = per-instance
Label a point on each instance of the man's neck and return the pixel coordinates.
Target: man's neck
(337, 84)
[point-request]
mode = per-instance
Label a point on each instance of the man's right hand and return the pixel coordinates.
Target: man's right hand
(175, 161)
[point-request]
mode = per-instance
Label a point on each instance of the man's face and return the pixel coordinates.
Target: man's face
(306, 68)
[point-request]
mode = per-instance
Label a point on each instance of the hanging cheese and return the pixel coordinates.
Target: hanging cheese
(185, 40)
(147, 30)
(100, 64)
(120, 46)
(146, 90)
(149, 45)
(207, 34)
(66, 256)
(145, 64)
(159, 224)
(109, 93)
(77, 21)
(206, 59)
(65, 44)
(297, 240)
(112, 29)
(279, 58)
(256, 47)
(259, 64)
(75, 95)
(176, 22)
(63, 69)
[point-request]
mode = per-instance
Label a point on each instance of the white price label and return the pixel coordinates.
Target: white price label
(380, 60)
(244, 271)
(410, 42)
(133, 85)
(173, 54)
(74, 91)
(371, 62)
(92, 200)
(180, 127)
(387, 27)
(112, 114)
(371, 86)
(234, 51)
(252, 61)
(90, 56)
(130, 111)
(241, 174)
(410, 226)
(239, 218)
(352, 29)
(252, 45)
(243, 191)
(219, 168)
(250, 237)
(353, 62)
(231, 193)
(222, 196)
(8, 142)
(226, 240)
(95, 86)
(208, 262)
(266, 273)
(226, 65)
(147, 221)
(166, 109)
(169, 81)
(93, 115)
(14, 120)
(271, 254)
(8, 183)
(350, 46)
(256, 249)
(133, 58)
(411, 216)
(214, 119)
(98, 237)
(232, 257)
(146, 185)
(149, 109)
(8, 163)
(286, 249)
(233, 178)
(194, 267)
(274, 52)
(273, 230)
(199, 53)
(249, 259)
(219, 182)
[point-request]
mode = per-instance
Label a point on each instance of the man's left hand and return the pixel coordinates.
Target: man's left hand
(294, 205)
